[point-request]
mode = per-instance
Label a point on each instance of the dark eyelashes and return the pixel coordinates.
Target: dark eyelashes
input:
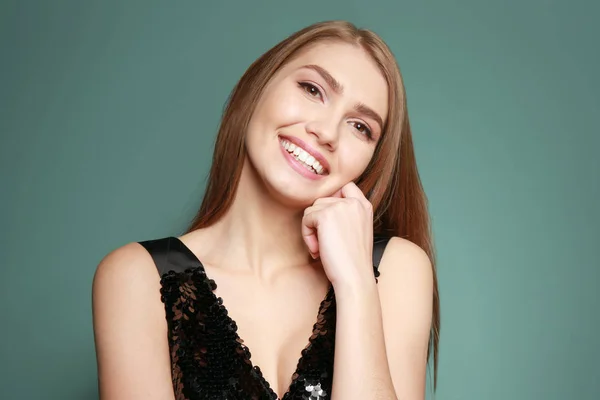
(367, 131)
(314, 91)
(308, 86)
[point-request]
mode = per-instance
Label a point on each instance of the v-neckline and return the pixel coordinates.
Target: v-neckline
(247, 355)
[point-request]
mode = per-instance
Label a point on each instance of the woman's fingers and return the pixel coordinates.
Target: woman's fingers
(310, 224)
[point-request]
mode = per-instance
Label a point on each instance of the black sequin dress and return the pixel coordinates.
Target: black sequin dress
(208, 358)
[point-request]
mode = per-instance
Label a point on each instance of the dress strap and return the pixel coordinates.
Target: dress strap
(379, 244)
(170, 254)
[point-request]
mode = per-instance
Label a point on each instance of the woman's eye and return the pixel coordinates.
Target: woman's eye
(362, 128)
(312, 90)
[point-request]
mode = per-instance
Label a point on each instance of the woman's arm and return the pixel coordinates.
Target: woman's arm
(130, 328)
(382, 330)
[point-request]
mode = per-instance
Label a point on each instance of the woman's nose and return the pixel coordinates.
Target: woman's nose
(325, 132)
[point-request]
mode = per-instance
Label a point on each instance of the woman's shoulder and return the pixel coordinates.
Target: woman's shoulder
(129, 261)
(130, 326)
(126, 281)
(126, 274)
(404, 250)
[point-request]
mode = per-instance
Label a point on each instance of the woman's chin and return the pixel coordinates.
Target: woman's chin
(292, 197)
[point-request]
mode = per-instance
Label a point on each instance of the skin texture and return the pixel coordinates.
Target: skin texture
(285, 234)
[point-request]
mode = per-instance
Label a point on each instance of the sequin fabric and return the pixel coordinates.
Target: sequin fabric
(208, 358)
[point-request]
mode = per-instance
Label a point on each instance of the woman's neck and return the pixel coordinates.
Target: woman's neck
(256, 233)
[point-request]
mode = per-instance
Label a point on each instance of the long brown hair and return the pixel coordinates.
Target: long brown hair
(391, 181)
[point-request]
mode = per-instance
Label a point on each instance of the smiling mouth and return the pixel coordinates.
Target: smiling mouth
(303, 157)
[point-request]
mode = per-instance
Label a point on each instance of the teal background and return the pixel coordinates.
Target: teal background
(108, 112)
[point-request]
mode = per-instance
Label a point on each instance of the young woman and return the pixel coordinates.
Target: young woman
(308, 272)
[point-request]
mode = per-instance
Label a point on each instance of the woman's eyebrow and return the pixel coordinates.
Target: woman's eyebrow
(369, 112)
(331, 81)
(337, 87)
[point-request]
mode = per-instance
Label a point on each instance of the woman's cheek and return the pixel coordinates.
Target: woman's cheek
(353, 163)
(289, 107)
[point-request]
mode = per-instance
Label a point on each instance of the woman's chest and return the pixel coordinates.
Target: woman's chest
(275, 322)
(231, 339)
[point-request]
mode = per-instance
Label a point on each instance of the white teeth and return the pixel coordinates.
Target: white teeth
(304, 157)
(317, 166)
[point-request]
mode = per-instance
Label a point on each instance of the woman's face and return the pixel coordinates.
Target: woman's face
(317, 123)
